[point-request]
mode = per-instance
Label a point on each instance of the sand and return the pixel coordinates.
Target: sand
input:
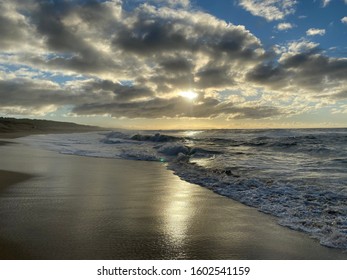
(92, 208)
(8, 178)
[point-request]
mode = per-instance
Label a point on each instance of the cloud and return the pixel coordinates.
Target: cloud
(315, 31)
(115, 91)
(301, 46)
(215, 77)
(160, 50)
(101, 38)
(37, 94)
(17, 33)
(23, 96)
(269, 9)
(341, 95)
(176, 107)
(304, 69)
(170, 31)
(170, 3)
(109, 59)
(284, 26)
(326, 2)
(344, 20)
(273, 76)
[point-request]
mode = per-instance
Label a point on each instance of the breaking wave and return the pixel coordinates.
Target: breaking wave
(298, 176)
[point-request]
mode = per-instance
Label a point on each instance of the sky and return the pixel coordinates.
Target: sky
(179, 64)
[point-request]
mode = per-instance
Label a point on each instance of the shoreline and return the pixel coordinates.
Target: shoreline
(8, 178)
(90, 208)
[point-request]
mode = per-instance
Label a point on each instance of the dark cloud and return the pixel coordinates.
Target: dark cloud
(237, 44)
(24, 93)
(174, 65)
(171, 74)
(176, 107)
(155, 30)
(48, 21)
(118, 91)
(313, 64)
(72, 49)
(341, 95)
(146, 37)
(166, 83)
(11, 31)
(312, 71)
(215, 77)
(269, 74)
(316, 72)
(298, 59)
(15, 31)
(257, 112)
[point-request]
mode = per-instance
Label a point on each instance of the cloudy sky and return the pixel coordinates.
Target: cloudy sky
(175, 64)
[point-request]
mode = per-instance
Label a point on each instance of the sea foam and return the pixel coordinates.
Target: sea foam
(298, 176)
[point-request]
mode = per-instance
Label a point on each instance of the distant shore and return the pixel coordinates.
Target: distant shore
(15, 128)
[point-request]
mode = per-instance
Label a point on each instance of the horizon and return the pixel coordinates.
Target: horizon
(178, 129)
(176, 65)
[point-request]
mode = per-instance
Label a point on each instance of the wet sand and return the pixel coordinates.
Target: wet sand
(93, 208)
(8, 178)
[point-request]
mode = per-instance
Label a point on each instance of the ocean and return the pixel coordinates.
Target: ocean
(297, 175)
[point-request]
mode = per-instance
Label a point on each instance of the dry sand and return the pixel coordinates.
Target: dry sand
(93, 208)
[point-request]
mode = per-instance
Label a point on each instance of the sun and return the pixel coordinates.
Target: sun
(191, 95)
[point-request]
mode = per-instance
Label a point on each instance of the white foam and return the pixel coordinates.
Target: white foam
(173, 149)
(293, 175)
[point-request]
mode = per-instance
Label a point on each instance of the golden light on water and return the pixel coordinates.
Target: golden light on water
(191, 95)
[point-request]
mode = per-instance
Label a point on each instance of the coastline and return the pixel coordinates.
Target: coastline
(94, 208)
(11, 128)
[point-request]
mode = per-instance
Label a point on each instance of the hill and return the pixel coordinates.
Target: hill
(13, 128)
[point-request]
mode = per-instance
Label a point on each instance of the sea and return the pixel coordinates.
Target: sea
(298, 176)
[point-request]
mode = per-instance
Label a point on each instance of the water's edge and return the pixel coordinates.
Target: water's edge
(317, 211)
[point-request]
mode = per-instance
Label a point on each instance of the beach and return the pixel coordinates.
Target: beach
(72, 207)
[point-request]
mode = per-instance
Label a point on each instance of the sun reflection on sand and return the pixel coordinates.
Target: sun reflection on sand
(179, 215)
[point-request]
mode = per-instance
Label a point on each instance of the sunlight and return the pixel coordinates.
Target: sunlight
(191, 95)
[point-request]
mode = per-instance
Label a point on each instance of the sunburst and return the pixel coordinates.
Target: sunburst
(191, 95)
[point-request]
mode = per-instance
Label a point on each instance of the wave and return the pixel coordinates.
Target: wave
(155, 138)
(320, 213)
(297, 177)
